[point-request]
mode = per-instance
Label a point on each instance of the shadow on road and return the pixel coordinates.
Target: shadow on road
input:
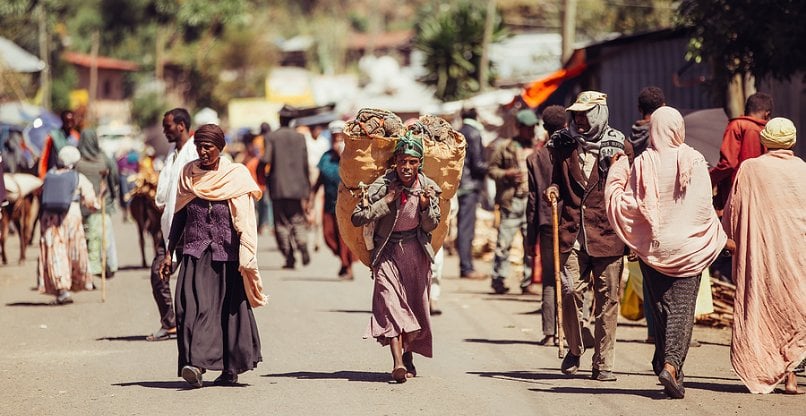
(718, 344)
(521, 376)
(349, 311)
(719, 388)
(31, 304)
(363, 376)
(650, 394)
(312, 279)
(124, 338)
(513, 298)
(537, 311)
(502, 341)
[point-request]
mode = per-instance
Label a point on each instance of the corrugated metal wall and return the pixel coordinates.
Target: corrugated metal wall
(625, 69)
(790, 100)
(621, 68)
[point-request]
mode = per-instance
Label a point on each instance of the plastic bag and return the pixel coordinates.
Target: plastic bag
(632, 307)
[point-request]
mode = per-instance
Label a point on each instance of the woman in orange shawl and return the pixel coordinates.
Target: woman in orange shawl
(219, 282)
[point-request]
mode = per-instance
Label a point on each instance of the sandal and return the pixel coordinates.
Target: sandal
(408, 361)
(193, 375)
(162, 334)
(226, 379)
(399, 374)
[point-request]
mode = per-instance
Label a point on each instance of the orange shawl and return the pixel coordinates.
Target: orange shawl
(232, 183)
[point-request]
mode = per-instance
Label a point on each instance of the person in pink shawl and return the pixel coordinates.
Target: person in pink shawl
(662, 209)
(219, 282)
(766, 217)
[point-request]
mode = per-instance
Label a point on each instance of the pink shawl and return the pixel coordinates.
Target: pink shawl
(662, 208)
(231, 182)
(766, 217)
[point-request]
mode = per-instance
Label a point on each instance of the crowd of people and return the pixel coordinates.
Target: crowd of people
(647, 197)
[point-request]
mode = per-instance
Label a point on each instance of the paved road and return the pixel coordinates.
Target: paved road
(90, 358)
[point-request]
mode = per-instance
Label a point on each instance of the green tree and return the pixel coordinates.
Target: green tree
(451, 37)
(745, 40)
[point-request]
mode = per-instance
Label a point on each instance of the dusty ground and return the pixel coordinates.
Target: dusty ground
(90, 358)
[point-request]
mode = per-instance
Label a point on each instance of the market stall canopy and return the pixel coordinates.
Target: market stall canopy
(16, 59)
(36, 122)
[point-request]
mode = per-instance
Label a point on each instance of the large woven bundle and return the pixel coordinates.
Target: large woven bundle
(367, 156)
(20, 184)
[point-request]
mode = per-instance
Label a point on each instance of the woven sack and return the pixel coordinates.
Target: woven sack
(365, 158)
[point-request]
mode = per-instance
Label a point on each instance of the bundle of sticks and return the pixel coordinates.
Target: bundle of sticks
(722, 316)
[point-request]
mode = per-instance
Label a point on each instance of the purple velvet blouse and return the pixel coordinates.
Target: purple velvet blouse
(206, 224)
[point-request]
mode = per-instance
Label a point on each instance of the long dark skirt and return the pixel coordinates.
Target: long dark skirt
(216, 328)
(672, 302)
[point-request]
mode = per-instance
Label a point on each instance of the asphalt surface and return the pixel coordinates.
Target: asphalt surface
(90, 358)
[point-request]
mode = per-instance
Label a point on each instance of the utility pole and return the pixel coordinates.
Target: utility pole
(569, 29)
(91, 110)
(484, 65)
(44, 55)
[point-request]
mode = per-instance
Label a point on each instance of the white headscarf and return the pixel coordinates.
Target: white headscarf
(69, 156)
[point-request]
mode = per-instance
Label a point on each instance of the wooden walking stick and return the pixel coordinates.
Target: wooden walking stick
(103, 235)
(555, 226)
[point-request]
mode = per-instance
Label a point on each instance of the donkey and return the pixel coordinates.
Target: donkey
(147, 216)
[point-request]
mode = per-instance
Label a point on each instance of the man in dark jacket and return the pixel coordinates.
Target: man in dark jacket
(649, 100)
(286, 160)
(473, 173)
(539, 222)
(592, 253)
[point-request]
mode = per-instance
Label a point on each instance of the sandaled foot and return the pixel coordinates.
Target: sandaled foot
(791, 385)
(226, 379)
(193, 375)
(162, 334)
(670, 384)
(64, 298)
(549, 339)
(399, 374)
(408, 361)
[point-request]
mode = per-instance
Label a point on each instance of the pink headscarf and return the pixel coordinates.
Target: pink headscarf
(658, 209)
(667, 131)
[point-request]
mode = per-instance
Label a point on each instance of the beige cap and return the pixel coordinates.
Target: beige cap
(779, 133)
(587, 100)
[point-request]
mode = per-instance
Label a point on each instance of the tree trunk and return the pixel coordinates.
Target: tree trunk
(44, 55)
(92, 111)
(159, 64)
(484, 65)
(569, 29)
(739, 88)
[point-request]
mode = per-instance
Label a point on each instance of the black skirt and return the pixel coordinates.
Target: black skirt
(216, 328)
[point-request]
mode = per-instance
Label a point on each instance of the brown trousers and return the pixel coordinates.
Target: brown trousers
(603, 276)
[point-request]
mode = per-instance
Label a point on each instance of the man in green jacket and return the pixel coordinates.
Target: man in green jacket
(508, 169)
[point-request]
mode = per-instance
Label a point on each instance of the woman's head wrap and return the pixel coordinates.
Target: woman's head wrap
(779, 133)
(210, 133)
(89, 147)
(411, 145)
(69, 156)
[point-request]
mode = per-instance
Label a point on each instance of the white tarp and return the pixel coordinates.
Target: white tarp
(16, 59)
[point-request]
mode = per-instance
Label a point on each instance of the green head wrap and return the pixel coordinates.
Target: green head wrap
(410, 145)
